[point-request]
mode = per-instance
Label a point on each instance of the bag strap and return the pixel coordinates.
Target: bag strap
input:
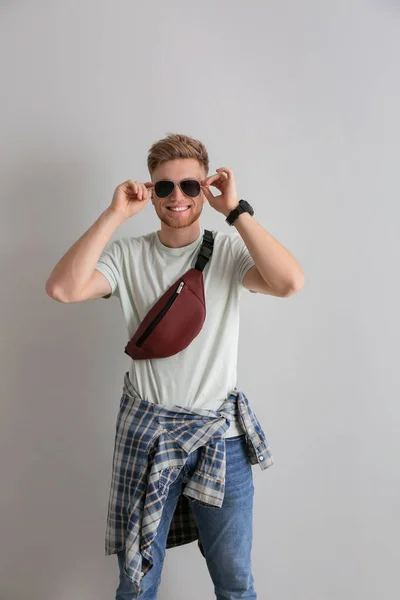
(205, 251)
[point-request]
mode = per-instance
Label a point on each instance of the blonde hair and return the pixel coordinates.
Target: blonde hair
(176, 145)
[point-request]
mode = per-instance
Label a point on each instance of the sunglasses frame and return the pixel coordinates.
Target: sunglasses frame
(180, 187)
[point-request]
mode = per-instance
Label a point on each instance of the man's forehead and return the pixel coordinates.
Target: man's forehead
(179, 169)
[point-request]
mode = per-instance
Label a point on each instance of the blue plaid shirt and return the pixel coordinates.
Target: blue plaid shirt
(152, 443)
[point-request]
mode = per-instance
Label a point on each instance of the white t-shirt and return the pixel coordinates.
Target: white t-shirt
(140, 270)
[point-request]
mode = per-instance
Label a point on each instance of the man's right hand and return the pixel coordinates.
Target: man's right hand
(130, 197)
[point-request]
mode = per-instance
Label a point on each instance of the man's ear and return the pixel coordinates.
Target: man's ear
(205, 199)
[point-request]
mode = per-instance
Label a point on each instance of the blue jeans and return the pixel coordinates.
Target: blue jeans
(226, 533)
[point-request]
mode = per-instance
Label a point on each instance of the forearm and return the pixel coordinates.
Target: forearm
(75, 268)
(276, 265)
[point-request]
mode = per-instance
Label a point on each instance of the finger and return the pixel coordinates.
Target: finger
(149, 185)
(217, 181)
(209, 180)
(208, 193)
(132, 185)
(225, 171)
(145, 193)
(222, 177)
(138, 191)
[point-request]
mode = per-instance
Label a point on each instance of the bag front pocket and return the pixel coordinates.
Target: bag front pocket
(160, 315)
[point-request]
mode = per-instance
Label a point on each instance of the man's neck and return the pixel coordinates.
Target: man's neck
(179, 237)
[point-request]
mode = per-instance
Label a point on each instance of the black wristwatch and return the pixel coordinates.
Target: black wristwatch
(243, 207)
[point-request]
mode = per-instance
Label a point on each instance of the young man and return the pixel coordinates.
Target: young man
(186, 437)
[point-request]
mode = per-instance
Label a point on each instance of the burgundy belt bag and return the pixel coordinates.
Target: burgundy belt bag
(178, 316)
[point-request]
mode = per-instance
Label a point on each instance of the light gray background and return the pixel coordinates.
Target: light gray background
(301, 100)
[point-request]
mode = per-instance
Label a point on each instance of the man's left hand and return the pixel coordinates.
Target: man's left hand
(225, 183)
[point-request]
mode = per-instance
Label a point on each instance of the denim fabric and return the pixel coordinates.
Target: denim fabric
(225, 532)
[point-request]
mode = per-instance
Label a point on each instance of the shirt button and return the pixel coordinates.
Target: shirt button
(261, 457)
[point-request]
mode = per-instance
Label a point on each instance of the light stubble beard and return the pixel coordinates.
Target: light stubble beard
(177, 222)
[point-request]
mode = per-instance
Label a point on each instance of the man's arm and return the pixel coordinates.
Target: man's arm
(74, 277)
(276, 271)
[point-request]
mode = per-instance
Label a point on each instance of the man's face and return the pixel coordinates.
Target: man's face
(175, 170)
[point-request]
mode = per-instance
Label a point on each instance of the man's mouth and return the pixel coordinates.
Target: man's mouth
(178, 209)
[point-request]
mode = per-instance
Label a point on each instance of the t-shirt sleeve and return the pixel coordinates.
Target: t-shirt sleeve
(242, 259)
(110, 265)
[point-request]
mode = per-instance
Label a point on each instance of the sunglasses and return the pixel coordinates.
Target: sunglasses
(165, 187)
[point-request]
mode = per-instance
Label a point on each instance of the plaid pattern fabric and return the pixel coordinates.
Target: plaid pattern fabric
(152, 443)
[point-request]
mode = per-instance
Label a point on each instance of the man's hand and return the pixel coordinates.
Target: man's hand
(225, 183)
(130, 197)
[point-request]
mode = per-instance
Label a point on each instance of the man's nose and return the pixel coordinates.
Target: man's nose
(177, 194)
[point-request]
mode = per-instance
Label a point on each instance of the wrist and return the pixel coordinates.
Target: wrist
(243, 207)
(114, 216)
(229, 210)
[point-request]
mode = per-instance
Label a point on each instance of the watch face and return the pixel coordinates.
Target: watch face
(246, 205)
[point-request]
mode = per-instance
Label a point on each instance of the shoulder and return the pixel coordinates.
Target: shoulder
(222, 238)
(232, 241)
(128, 243)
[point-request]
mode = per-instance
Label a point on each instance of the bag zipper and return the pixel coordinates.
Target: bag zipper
(160, 315)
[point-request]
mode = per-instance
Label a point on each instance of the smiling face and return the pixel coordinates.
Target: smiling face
(175, 170)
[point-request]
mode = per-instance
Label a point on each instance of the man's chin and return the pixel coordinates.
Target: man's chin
(175, 225)
(177, 222)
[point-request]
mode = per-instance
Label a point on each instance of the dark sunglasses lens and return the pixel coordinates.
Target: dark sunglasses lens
(190, 187)
(163, 188)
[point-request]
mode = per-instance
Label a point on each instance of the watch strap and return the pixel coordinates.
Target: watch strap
(241, 208)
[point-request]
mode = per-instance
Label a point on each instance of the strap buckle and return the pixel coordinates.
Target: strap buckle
(205, 251)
